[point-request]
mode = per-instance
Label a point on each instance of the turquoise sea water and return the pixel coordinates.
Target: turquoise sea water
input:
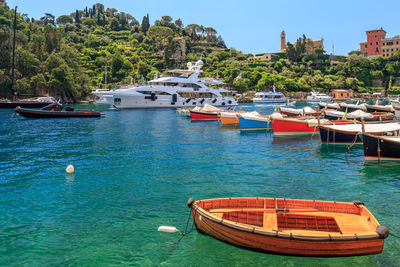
(135, 170)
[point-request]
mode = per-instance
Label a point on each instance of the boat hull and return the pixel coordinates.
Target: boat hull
(195, 115)
(249, 124)
(376, 148)
(336, 137)
(229, 121)
(396, 111)
(24, 104)
(292, 127)
(377, 117)
(253, 237)
(375, 108)
(32, 113)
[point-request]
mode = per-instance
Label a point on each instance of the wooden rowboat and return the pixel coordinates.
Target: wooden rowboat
(36, 113)
(291, 226)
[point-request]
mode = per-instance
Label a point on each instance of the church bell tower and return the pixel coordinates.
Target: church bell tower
(283, 41)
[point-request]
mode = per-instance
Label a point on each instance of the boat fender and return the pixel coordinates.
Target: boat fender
(358, 203)
(215, 100)
(190, 202)
(382, 231)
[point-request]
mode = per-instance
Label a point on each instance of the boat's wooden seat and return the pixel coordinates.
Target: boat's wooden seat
(345, 223)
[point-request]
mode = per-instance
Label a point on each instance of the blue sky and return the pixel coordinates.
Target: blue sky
(254, 26)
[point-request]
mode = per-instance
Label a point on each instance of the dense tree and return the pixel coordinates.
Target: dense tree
(63, 19)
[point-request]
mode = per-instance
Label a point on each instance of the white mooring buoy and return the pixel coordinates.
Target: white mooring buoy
(167, 229)
(70, 169)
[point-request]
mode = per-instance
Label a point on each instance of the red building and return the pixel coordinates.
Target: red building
(373, 46)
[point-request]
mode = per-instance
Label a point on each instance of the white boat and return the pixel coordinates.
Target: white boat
(181, 88)
(328, 105)
(318, 97)
(269, 97)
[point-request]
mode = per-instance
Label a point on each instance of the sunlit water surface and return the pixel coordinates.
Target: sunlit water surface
(135, 170)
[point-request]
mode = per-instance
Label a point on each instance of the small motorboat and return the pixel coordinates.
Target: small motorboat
(54, 110)
(381, 147)
(396, 109)
(229, 118)
(379, 108)
(352, 107)
(208, 112)
(293, 112)
(351, 133)
(318, 97)
(296, 125)
(328, 105)
(38, 102)
(291, 226)
(256, 121)
(358, 115)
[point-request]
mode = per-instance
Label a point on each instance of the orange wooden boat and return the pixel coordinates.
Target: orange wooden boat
(291, 226)
(229, 118)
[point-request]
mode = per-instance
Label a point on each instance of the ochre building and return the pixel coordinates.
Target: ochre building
(377, 45)
(310, 44)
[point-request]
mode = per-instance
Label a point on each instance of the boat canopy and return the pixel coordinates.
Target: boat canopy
(369, 128)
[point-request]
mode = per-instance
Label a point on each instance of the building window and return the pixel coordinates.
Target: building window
(366, 46)
(383, 43)
(397, 42)
(392, 49)
(377, 49)
(370, 44)
(376, 43)
(375, 36)
(383, 50)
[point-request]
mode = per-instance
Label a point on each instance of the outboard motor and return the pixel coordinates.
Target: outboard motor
(53, 106)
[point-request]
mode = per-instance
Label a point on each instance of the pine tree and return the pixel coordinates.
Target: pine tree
(145, 23)
(98, 19)
(77, 17)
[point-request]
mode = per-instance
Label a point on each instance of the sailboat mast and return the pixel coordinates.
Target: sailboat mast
(105, 77)
(13, 92)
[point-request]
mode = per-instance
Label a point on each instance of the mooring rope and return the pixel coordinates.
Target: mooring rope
(350, 146)
(175, 244)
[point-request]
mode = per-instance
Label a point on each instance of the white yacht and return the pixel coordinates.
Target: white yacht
(269, 97)
(318, 97)
(181, 88)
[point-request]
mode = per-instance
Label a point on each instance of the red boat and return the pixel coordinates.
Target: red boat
(294, 126)
(202, 115)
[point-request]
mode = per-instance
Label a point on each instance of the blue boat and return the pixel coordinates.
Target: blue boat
(254, 122)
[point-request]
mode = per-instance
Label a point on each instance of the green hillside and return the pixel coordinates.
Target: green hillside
(66, 56)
